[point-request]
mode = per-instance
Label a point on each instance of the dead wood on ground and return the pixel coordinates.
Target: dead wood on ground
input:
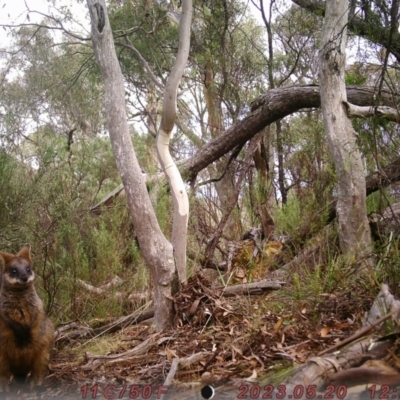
(75, 331)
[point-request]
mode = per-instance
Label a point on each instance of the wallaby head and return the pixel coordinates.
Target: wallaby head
(17, 270)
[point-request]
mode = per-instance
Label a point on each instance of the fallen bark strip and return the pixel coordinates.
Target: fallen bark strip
(194, 358)
(172, 371)
(93, 360)
(102, 289)
(253, 288)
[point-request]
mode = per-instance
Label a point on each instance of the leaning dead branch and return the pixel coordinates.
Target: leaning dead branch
(117, 281)
(81, 332)
(390, 113)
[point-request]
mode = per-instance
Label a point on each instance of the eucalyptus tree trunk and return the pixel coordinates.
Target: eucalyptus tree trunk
(225, 186)
(178, 190)
(354, 231)
(156, 249)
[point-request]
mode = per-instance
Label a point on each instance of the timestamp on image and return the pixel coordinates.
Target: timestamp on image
(297, 392)
(310, 392)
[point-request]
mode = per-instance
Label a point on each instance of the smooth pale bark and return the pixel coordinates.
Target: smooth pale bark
(156, 249)
(354, 231)
(178, 190)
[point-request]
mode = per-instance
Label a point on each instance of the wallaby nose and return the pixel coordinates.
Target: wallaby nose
(24, 278)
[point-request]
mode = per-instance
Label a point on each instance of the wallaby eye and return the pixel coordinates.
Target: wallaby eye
(13, 271)
(28, 269)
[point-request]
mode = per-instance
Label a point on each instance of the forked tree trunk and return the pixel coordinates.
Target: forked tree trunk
(354, 230)
(156, 249)
(178, 190)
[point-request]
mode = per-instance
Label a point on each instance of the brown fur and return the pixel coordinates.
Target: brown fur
(26, 333)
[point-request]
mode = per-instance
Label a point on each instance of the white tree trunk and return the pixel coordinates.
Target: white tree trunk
(156, 249)
(178, 190)
(354, 231)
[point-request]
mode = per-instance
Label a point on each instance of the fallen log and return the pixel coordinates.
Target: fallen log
(253, 288)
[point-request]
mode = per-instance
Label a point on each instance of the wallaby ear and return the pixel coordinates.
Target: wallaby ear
(25, 252)
(5, 258)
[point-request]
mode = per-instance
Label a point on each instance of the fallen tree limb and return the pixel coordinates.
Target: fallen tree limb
(94, 360)
(253, 288)
(362, 362)
(276, 104)
(123, 322)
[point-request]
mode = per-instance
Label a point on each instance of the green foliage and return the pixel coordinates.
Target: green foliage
(354, 77)
(378, 201)
(310, 168)
(156, 39)
(48, 206)
(163, 209)
(289, 217)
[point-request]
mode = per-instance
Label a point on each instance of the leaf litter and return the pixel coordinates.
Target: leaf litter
(214, 340)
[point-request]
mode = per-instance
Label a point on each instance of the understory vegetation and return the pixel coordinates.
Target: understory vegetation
(57, 168)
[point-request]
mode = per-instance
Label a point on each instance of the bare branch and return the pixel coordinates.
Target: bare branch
(390, 113)
(61, 28)
(144, 63)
